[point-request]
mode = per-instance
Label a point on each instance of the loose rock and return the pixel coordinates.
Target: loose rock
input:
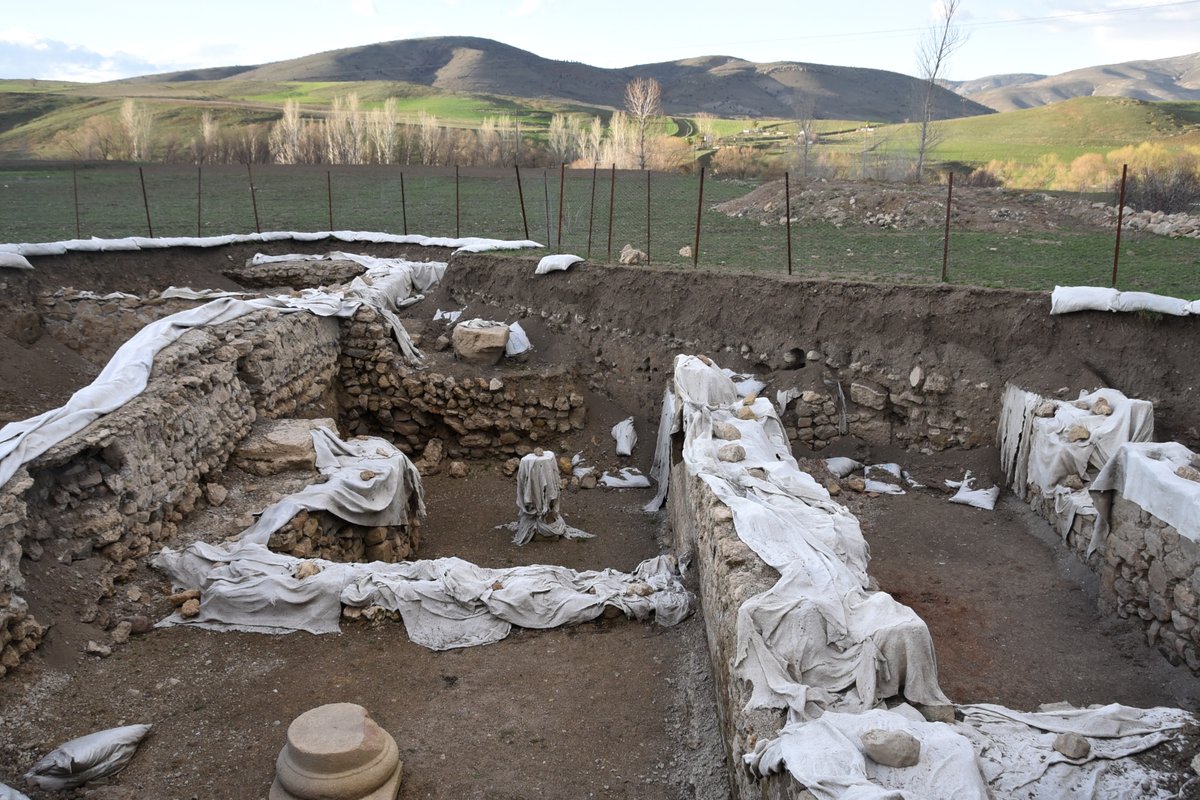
(1072, 745)
(892, 748)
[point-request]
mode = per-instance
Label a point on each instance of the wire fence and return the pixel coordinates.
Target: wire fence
(596, 213)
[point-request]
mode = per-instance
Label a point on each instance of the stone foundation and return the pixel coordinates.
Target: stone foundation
(476, 413)
(322, 535)
(1152, 573)
(298, 274)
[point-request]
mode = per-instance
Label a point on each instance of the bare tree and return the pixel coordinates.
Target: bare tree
(561, 138)
(431, 137)
(804, 108)
(643, 100)
(138, 124)
(286, 135)
(940, 42)
(384, 130)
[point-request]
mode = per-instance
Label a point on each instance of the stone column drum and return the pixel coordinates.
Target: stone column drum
(337, 752)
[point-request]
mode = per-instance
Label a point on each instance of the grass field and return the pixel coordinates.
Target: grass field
(37, 204)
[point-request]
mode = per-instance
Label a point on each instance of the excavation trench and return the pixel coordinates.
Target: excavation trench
(609, 708)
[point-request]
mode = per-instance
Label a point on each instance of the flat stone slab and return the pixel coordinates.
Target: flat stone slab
(280, 445)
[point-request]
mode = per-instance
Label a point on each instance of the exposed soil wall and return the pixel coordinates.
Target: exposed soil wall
(633, 320)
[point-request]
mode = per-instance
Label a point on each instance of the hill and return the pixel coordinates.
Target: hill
(1176, 78)
(720, 85)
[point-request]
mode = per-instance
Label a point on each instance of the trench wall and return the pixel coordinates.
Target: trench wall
(930, 361)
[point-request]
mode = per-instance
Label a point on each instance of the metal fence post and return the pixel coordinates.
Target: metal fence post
(199, 194)
(457, 227)
(647, 217)
(329, 196)
(612, 193)
(699, 206)
(562, 179)
(403, 204)
(946, 235)
(75, 187)
(521, 197)
(253, 198)
(145, 202)
(787, 211)
(1120, 220)
(591, 212)
(546, 192)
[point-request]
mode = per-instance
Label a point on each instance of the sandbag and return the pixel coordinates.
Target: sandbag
(556, 263)
(96, 755)
(1068, 299)
(626, 437)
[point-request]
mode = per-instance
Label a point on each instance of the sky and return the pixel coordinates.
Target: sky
(95, 40)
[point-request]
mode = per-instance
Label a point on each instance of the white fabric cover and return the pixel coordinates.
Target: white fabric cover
(538, 488)
(89, 757)
(188, 293)
(1017, 758)
(818, 639)
(1145, 301)
(128, 371)
(1144, 473)
(967, 495)
(826, 757)
(626, 478)
(840, 466)
(625, 436)
(469, 244)
(9, 793)
(14, 261)
(1069, 299)
(518, 341)
(556, 263)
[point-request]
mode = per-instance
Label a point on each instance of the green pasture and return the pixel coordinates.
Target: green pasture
(37, 204)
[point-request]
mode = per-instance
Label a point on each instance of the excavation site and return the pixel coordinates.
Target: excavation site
(371, 516)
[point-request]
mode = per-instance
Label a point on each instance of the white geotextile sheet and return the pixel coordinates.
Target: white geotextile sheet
(538, 492)
(469, 244)
(1144, 473)
(1018, 761)
(625, 436)
(826, 757)
(625, 478)
(1069, 299)
(128, 371)
(967, 495)
(518, 341)
(556, 263)
(817, 639)
(188, 293)
(1036, 449)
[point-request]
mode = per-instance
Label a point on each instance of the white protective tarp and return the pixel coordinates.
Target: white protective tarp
(518, 341)
(968, 495)
(538, 490)
(469, 244)
(128, 371)
(818, 639)
(556, 263)
(87, 758)
(9, 793)
(1018, 760)
(14, 261)
(1144, 474)
(625, 436)
(1052, 457)
(826, 757)
(445, 603)
(625, 478)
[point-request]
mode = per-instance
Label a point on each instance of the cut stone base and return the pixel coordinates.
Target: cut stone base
(337, 752)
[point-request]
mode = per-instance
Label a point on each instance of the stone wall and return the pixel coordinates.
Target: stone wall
(95, 327)
(322, 535)
(121, 485)
(298, 274)
(1152, 573)
(500, 412)
(729, 573)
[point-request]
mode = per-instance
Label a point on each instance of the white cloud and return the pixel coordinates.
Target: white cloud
(364, 8)
(527, 7)
(22, 37)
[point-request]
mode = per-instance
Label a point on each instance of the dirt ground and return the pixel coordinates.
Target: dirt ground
(610, 709)
(907, 206)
